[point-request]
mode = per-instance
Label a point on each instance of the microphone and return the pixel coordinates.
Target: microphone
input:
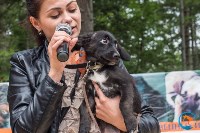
(63, 51)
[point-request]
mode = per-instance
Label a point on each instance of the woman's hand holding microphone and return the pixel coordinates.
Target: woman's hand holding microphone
(60, 37)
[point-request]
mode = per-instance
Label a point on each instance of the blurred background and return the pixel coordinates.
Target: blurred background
(160, 35)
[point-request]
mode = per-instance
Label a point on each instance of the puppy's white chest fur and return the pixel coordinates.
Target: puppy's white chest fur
(99, 78)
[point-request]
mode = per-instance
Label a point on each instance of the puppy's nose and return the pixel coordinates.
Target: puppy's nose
(116, 56)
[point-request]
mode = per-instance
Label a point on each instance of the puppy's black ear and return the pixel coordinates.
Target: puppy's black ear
(123, 53)
(77, 46)
(83, 40)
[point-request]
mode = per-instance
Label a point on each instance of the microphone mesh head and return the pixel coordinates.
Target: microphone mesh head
(64, 27)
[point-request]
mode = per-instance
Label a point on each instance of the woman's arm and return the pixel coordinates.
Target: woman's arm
(108, 110)
(32, 109)
(148, 122)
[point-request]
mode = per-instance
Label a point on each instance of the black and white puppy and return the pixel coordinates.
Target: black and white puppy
(102, 48)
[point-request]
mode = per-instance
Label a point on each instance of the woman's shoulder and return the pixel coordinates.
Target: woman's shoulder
(26, 52)
(26, 55)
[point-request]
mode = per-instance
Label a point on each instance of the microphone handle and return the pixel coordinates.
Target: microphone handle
(63, 52)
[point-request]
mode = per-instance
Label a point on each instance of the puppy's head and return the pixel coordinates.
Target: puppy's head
(101, 46)
(191, 93)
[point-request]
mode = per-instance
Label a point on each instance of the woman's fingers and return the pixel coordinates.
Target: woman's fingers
(100, 94)
(99, 112)
(57, 39)
(59, 35)
(57, 67)
(54, 47)
(72, 43)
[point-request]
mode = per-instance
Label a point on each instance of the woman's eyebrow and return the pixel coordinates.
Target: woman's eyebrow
(71, 2)
(58, 8)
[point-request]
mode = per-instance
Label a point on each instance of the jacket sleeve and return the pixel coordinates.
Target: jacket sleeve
(148, 122)
(31, 109)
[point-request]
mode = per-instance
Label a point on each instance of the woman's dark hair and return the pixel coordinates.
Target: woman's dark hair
(33, 8)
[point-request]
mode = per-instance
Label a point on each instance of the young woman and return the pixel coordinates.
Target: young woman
(39, 82)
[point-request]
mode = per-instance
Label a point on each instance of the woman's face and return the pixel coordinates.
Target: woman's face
(53, 12)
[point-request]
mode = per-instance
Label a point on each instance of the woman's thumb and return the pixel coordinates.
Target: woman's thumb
(99, 92)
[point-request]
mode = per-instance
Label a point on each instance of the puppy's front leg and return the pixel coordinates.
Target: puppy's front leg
(127, 109)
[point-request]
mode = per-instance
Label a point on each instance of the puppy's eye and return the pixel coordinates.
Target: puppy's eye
(105, 40)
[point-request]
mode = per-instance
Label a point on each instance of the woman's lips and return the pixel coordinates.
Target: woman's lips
(74, 29)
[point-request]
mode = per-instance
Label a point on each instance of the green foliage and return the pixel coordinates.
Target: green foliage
(13, 34)
(147, 29)
(5, 56)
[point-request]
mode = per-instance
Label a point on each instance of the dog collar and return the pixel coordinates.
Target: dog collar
(82, 65)
(75, 66)
(96, 67)
(92, 66)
